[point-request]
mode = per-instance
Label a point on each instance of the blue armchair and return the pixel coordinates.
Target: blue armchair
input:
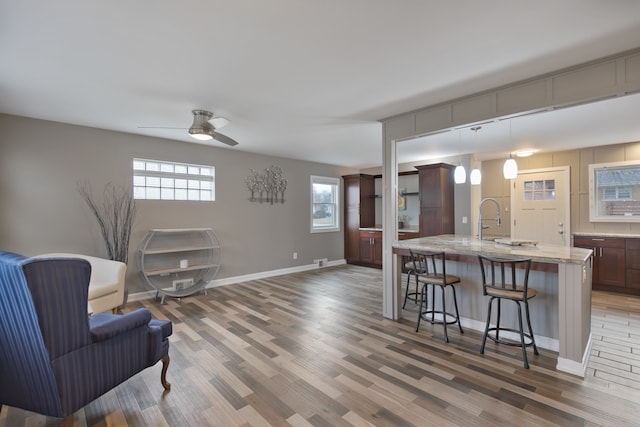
(54, 359)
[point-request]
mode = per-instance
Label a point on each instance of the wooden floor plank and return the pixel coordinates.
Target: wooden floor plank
(313, 349)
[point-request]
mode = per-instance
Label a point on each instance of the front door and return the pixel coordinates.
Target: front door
(540, 206)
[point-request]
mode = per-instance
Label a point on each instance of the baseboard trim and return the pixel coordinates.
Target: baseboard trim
(139, 296)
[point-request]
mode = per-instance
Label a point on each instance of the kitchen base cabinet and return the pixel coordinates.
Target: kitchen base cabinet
(633, 265)
(616, 263)
(370, 248)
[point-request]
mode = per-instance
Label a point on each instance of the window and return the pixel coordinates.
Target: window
(614, 192)
(540, 190)
(158, 180)
(325, 208)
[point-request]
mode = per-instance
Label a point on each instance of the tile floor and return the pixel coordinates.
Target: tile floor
(615, 353)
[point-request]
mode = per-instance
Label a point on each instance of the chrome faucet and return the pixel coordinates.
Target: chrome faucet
(496, 219)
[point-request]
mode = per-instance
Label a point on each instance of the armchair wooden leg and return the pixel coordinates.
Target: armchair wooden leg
(114, 310)
(163, 375)
(67, 422)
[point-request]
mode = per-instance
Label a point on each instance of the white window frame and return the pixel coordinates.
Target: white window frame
(335, 224)
(165, 180)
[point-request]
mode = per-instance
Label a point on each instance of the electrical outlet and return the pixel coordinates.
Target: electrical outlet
(180, 284)
(295, 255)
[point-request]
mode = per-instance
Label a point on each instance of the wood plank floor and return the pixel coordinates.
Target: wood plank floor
(312, 349)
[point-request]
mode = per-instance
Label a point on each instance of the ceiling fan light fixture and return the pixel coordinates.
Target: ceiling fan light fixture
(200, 136)
(201, 129)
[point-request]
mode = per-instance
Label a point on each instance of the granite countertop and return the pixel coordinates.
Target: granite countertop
(589, 234)
(470, 245)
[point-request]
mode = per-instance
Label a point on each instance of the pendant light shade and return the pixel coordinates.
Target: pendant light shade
(475, 177)
(510, 168)
(460, 175)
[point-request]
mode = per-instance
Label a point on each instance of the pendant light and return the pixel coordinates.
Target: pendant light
(459, 175)
(476, 176)
(510, 168)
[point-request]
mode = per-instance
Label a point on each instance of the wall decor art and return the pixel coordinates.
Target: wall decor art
(267, 187)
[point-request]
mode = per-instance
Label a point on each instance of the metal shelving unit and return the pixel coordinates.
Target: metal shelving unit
(178, 262)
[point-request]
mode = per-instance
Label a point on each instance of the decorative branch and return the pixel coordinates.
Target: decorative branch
(115, 216)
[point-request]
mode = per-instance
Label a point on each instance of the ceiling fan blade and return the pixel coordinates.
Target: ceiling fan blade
(218, 122)
(224, 139)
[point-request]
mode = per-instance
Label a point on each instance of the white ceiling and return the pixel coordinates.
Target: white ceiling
(309, 79)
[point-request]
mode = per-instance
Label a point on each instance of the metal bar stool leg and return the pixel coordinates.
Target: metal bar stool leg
(422, 302)
(486, 328)
(444, 315)
(533, 340)
(524, 346)
(455, 303)
(406, 293)
(498, 320)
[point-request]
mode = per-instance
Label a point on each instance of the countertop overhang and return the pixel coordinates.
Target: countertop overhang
(470, 245)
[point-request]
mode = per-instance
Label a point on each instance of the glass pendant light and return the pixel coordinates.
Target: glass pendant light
(476, 176)
(510, 168)
(459, 175)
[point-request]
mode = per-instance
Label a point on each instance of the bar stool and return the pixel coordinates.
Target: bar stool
(504, 284)
(426, 271)
(410, 268)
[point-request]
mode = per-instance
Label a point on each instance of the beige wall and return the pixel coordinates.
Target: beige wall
(494, 185)
(41, 211)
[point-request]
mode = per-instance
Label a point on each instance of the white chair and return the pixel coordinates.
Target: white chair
(106, 285)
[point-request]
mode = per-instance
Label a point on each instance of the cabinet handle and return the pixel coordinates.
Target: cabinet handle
(600, 250)
(597, 240)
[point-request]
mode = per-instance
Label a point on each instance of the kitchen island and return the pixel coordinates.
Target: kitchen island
(560, 313)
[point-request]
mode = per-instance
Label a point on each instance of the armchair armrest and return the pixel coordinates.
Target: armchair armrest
(104, 326)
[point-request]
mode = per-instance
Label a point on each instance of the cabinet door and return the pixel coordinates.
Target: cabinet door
(377, 249)
(366, 247)
(633, 263)
(611, 266)
(608, 260)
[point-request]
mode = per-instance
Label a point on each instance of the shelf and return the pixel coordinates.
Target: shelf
(161, 271)
(182, 249)
(163, 250)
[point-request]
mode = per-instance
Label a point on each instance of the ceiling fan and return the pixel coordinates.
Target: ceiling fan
(204, 127)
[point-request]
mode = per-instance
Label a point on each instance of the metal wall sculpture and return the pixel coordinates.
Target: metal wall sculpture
(267, 187)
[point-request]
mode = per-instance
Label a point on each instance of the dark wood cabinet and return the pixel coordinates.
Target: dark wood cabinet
(436, 188)
(633, 264)
(359, 211)
(371, 248)
(609, 271)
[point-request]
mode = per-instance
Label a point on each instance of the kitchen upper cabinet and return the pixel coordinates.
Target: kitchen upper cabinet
(609, 271)
(359, 211)
(436, 188)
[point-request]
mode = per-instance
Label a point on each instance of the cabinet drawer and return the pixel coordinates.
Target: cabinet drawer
(604, 242)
